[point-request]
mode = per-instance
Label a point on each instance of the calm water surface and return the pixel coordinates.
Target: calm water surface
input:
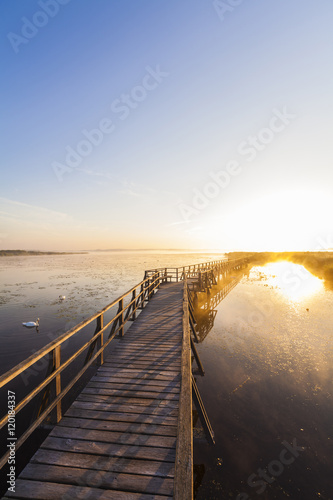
(268, 362)
(266, 348)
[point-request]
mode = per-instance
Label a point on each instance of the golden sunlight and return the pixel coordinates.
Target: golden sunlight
(293, 280)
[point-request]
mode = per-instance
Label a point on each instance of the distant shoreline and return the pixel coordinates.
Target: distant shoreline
(27, 253)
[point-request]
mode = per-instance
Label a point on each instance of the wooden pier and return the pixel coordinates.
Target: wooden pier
(128, 435)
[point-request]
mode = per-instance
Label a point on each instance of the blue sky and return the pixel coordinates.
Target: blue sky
(199, 89)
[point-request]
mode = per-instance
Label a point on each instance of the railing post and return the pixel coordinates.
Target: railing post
(177, 274)
(56, 364)
(142, 296)
(121, 317)
(100, 341)
(134, 304)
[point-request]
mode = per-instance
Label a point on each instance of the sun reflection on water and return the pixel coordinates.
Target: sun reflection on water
(293, 280)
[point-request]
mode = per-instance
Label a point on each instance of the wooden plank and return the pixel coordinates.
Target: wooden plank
(132, 397)
(146, 349)
(138, 342)
(122, 417)
(114, 437)
(171, 411)
(100, 479)
(83, 423)
(172, 365)
(126, 386)
(152, 374)
(132, 394)
(135, 381)
(137, 403)
(110, 449)
(149, 355)
(112, 464)
(52, 491)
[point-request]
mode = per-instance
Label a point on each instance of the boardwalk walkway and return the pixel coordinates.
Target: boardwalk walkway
(118, 439)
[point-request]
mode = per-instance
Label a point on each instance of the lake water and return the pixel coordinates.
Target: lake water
(269, 365)
(31, 287)
(266, 349)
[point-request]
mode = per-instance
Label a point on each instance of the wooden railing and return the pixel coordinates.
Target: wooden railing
(136, 299)
(179, 273)
(204, 273)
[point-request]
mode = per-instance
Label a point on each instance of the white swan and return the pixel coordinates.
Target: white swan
(31, 324)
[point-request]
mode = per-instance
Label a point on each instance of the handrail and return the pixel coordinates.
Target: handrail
(16, 370)
(201, 270)
(146, 287)
(199, 265)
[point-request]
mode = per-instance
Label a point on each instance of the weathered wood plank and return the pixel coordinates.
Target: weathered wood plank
(162, 357)
(112, 464)
(83, 423)
(122, 417)
(100, 479)
(52, 491)
(145, 366)
(171, 411)
(94, 401)
(159, 374)
(135, 393)
(109, 449)
(134, 387)
(124, 386)
(135, 381)
(114, 437)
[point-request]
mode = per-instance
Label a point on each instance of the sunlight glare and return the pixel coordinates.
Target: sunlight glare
(293, 280)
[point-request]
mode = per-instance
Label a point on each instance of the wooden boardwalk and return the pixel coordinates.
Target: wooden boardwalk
(118, 439)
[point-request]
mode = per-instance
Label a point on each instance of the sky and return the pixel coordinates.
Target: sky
(188, 124)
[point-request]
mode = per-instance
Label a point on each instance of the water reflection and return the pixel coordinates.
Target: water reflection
(268, 380)
(292, 280)
(207, 303)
